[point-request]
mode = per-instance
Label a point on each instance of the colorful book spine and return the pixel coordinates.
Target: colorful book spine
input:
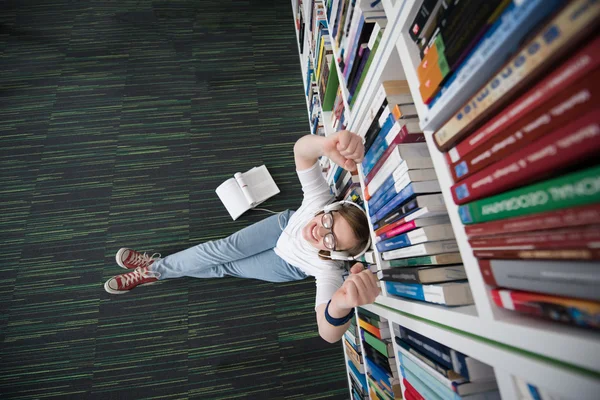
(566, 146)
(373, 51)
(564, 31)
(420, 235)
(403, 196)
(555, 92)
(409, 226)
(422, 187)
(425, 275)
(500, 41)
(563, 218)
(562, 309)
(379, 145)
(575, 237)
(562, 278)
(444, 391)
(448, 294)
(378, 333)
(412, 392)
(561, 253)
(379, 345)
(570, 190)
(440, 259)
(419, 385)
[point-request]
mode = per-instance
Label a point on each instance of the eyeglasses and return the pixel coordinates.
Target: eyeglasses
(329, 239)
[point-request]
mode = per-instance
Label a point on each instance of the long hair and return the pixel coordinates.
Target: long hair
(359, 225)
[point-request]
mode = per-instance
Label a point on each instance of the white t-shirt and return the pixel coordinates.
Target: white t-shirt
(295, 250)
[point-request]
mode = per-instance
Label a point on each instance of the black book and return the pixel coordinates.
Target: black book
(374, 128)
(426, 12)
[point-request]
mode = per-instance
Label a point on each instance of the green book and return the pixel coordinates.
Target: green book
(367, 65)
(379, 345)
(571, 190)
(438, 259)
(331, 89)
(372, 316)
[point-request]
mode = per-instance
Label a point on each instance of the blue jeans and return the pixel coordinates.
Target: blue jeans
(245, 254)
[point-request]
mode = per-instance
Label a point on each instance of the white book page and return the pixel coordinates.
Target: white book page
(260, 184)
(233, 198)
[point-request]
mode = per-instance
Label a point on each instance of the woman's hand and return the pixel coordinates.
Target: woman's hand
(345, 148)
(360, 288)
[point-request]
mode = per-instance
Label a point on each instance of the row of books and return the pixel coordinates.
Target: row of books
(407, 210)
(356, 28)
(356, 366)
(432, 371)
(380, 360)
(522, 146)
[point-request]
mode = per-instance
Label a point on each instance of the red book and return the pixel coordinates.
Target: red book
(402, 137)
(411, 390)
(563, 309)
(564, 147)
(550, 254)
(538, 99)
(572, 238)
(564, 218)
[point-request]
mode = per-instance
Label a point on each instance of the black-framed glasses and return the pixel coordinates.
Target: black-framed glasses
(329, 239)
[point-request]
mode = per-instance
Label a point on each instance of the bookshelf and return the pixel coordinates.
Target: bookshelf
(560, 358)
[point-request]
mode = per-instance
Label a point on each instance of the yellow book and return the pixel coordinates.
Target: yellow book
(320, 58)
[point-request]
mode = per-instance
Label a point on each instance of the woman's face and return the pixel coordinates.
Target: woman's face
(314, 232)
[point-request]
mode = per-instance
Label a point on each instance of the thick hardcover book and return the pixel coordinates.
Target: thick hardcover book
(409, 188)
(561, 253)
(499, 42)
(579, 279)
(570, 190)
(420, 235)
(551, 102)
(566, 146)
(448, 294)
(558, 36)
(425, 206)
(563, 309)
(563, 218)
(415, 155)
(395, 131)
(425, 275)
(440, 259)
(411, 225)
(579, 237)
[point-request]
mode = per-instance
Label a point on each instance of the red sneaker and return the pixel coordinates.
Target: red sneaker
(131, 259)
(125, 282)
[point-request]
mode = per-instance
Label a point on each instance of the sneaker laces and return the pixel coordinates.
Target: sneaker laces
(138, 275)
(144, 259)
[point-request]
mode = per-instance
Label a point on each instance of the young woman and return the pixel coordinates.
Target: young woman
(285, 247)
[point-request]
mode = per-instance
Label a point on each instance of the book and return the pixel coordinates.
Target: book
(567, 217)
(468, 367)
(562, 309)
(424, 206)
(415, 155)
(420, 235)
(545, 254)
(500, 41)
(560, 95)
(425, 275)
(566, 146)
(412, 225)
(577, 279)
(360, 378)
(410, 393)
(331, 89)
(404, 185)
(246, 190)
(441, 385)
(409, 192)
(446, 372)
(426, 13)
(570, 190)
(379, 332)
(558, 36)
(402, 175)
(381, 346)
(372, 45)
(439, 259)
(578, 237)
(419, 385)
(448, 294)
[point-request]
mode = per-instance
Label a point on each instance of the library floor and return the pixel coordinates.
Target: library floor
(118, 120)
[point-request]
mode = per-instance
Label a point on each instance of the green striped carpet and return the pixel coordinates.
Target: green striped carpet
(118, 119)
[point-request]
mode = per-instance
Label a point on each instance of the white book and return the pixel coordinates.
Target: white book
(422, 249)
(246, 190)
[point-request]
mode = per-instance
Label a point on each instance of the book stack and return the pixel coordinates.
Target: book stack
(407, 210)
(433, 371)
(355, 361)
(382, 372)
(356, 27)
(522, 142)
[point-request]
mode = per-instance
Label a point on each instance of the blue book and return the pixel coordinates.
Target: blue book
(382, 191)
(378, 373)
(393, 243)
(499, 42)
(430, 348)
(378, 147)
(405, 194)
(360, 377)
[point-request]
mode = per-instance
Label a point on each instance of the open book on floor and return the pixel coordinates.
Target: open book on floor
(246, 190)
